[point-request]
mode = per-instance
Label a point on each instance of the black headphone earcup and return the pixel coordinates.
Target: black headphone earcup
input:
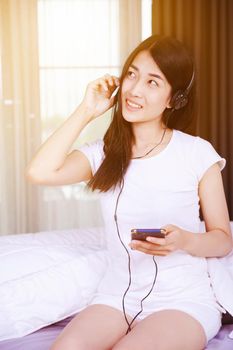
(179, 100)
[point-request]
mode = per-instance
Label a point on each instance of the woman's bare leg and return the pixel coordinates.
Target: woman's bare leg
(165, 330)
(98, 327)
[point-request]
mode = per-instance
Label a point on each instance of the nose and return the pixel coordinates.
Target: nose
(136, 89)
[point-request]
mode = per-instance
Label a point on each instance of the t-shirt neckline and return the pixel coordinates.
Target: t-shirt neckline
(160, 153)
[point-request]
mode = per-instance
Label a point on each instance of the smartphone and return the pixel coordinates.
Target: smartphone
(142, 233)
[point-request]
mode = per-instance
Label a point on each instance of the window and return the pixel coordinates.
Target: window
(79, 41)
(52, 49)
(146, 7)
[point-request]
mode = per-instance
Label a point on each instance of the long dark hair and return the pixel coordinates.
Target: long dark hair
(177, 65)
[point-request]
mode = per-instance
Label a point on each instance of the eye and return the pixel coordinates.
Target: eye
(130, 74)
(153, 83)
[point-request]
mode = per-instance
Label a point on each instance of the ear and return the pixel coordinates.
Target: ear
(169, 102)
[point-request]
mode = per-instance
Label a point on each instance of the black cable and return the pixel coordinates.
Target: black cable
(159, 143)
(129, 268)
(162, 137)
(153, 283)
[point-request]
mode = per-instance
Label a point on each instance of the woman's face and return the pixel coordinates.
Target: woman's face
(145, 90)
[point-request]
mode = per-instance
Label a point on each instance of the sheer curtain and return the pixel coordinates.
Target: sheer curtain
(20, 113)
(50, 50)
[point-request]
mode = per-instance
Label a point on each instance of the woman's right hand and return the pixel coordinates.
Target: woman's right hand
(97, 99)
(52, 165)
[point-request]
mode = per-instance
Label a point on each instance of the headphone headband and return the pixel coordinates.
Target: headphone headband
(180, 98)
(188, 88)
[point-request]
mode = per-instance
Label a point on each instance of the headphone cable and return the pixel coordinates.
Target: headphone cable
(129, 268)
(152, 286)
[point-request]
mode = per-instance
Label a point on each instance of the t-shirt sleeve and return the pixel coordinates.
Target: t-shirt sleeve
(204, 156)
(94, 153)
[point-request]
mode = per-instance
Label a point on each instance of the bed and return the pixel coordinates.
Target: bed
(43, 338)
(48, 277)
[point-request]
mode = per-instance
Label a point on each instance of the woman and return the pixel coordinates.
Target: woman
(156, 294)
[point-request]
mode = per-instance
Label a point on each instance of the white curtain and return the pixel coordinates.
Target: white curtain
(50, 50)
(20, 114)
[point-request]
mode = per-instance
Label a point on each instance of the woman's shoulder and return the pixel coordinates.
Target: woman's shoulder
(198, 151)
(94, 151)
(93, 146)
(191, 140)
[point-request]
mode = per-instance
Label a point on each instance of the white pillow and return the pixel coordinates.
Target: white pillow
(221, 276)
(46, 277)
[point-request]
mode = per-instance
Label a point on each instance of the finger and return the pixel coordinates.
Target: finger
(103, 83)
(116, 80)
(111, 80)
(158, 241)
(168, 228)
(136, 244)
(151, 248)
(99, 84)
(154, 252)
(108, 79)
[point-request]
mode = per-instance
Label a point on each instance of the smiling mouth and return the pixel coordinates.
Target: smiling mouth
(132, 105)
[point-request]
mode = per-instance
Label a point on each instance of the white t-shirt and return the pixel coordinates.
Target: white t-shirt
(162, 189)
(159, 190)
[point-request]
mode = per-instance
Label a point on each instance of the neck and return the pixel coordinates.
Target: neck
(147, 135)
(149, 150)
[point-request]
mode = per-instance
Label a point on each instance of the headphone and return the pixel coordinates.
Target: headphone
(180, 98)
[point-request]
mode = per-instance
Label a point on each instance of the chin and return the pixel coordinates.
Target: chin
(132, 117)
(137, 120)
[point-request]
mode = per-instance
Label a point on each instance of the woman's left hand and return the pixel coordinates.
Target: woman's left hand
(175, 239)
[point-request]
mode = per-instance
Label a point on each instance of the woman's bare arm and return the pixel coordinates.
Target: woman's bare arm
(53, 164)
(215, 242)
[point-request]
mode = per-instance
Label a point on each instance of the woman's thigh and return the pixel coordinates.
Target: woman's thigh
(98, 327)
(165, 330)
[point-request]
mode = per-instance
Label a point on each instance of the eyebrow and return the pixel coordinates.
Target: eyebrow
(151, 74)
